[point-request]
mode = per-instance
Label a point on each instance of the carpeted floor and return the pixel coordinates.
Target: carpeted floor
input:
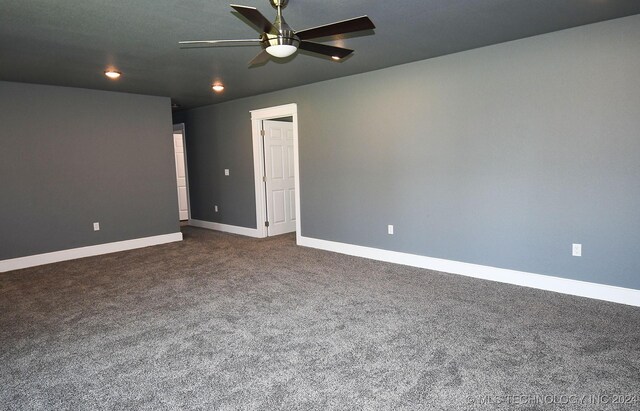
(225, 322)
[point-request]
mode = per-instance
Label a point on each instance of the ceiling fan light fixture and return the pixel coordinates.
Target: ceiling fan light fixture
(217, 87)
(279, 40)
(112, 74)
(281, 50)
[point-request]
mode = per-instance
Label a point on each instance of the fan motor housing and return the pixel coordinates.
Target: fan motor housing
(286, 37)
(281, 3)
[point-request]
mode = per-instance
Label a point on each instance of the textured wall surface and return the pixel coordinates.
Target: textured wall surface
(501, 156)
(70, 157)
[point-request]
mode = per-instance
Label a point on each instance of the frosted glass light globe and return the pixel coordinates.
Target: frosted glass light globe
(281, 50)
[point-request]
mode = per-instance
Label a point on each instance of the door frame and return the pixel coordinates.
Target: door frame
(257, 116)
(179, 127)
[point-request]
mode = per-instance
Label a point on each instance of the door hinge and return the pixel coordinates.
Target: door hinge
(262, 132)
(264, 179)
(266, 224)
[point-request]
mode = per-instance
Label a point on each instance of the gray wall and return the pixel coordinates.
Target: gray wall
(213, 145)
(70, 157)
(501, 156)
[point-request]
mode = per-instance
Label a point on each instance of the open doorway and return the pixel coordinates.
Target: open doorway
(276, 169)
(182, 179)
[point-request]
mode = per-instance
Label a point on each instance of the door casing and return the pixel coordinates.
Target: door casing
(257, 116)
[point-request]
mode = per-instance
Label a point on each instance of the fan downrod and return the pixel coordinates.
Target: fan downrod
(279, 3)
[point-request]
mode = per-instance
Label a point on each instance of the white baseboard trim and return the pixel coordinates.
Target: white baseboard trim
(89, 251)
(233, 229)
(596, 291)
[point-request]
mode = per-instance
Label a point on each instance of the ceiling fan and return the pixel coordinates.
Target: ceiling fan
(280, 40)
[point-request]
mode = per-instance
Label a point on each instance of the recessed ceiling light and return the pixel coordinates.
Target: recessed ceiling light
(217, 87)
(112, 74)
(335, 57)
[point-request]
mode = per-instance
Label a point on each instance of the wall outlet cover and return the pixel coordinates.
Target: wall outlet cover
(576, 250)
(390, 229)
(96, 226)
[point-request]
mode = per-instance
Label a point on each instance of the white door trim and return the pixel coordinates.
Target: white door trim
(287, 110)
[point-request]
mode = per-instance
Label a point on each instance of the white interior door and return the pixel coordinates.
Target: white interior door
(181, 174)
(279, 177)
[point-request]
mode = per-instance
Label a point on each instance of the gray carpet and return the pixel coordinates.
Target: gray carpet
(220, 321)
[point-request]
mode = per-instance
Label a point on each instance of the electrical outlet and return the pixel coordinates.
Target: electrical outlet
(96, 226)
(576, 250)
(215, 208)
(390, 229)
(226, 171)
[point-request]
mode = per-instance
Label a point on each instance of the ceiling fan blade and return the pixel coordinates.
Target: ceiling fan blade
(334, 29)
(330, 51)
(261, 58)
(214, 43)
(256, 18)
